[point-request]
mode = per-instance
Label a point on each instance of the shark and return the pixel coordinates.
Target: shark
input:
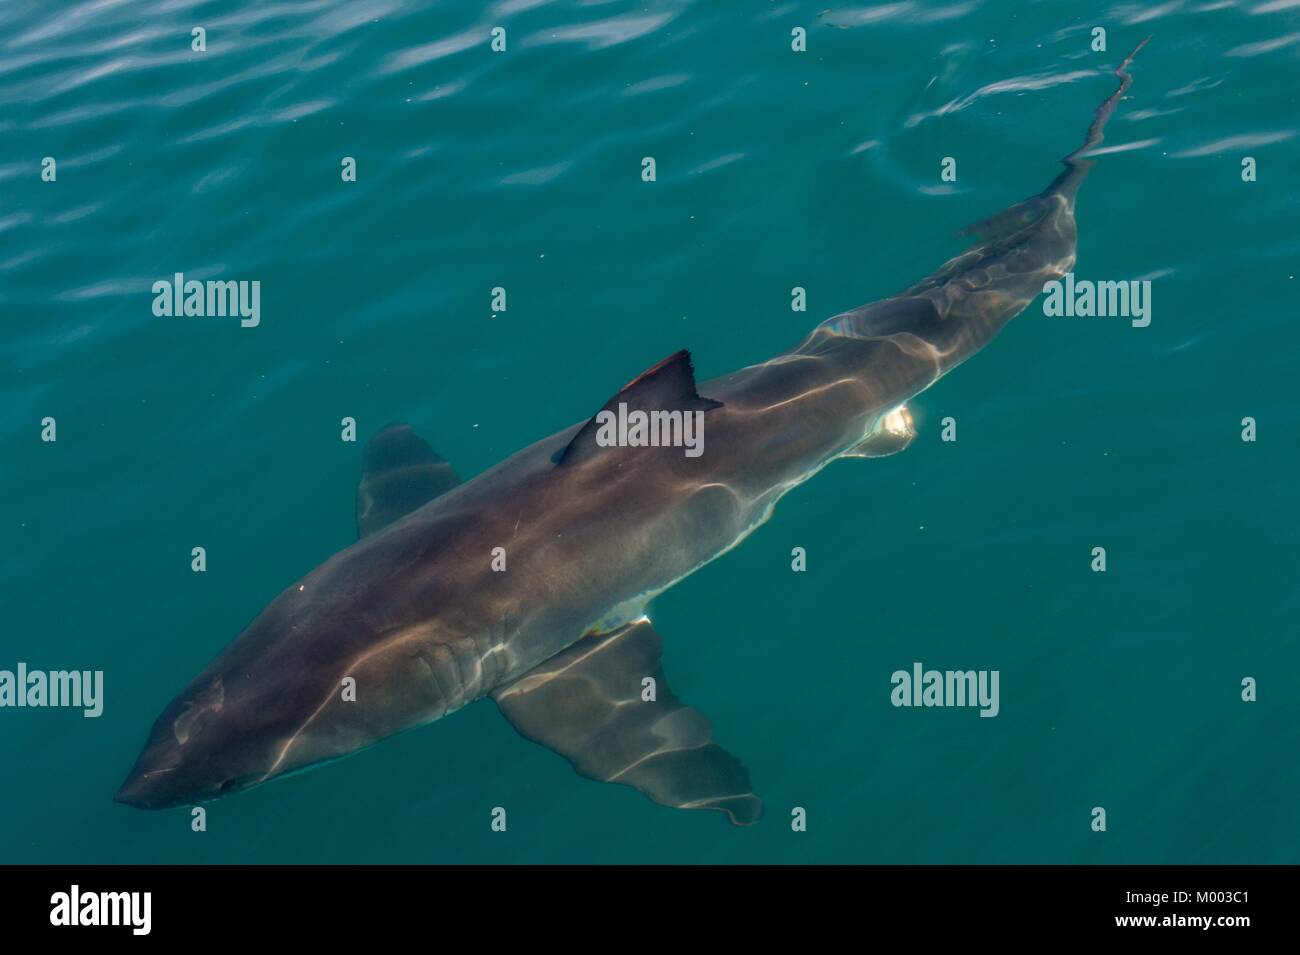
(530, 583)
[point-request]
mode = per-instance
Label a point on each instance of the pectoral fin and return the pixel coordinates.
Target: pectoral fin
(588, 704)
(892, 433)
(401, 473)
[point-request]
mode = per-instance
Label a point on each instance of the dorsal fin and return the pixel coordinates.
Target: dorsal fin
(401, 473)
(667, 386)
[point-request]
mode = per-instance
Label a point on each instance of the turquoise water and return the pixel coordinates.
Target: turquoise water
(775, 169)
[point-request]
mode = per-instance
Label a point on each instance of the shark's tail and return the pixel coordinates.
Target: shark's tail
(1025, 213)
(1067, 183)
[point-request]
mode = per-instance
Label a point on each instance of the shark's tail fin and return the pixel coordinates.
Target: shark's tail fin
(1026, 213)
(1067, 183)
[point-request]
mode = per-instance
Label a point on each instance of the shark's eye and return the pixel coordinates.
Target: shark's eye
(230, 784)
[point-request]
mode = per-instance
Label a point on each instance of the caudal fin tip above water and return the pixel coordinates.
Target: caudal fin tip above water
(1103, 112)
(1137, 49)
(1025, 214)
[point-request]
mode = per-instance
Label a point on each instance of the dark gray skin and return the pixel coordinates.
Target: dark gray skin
(414, 612)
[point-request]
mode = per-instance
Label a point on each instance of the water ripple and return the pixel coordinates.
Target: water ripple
(1017, 84)
(1274, 6)
(1133, 15)
(428, 52)
(600, 34)
(1242, 141)
(657, 83)
(535, 177)
(718, 163)
(1122, 147)
(1264, 46)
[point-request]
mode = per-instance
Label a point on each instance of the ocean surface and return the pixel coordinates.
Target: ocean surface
(774, 169)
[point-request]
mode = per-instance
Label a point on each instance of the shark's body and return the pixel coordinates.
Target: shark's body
(529, 583)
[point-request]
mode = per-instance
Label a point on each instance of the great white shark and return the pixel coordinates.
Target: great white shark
(530, 582)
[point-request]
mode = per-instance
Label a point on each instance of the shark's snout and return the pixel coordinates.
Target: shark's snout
(169, 773)
(190, 756)
(146, 792)
(165, 776)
